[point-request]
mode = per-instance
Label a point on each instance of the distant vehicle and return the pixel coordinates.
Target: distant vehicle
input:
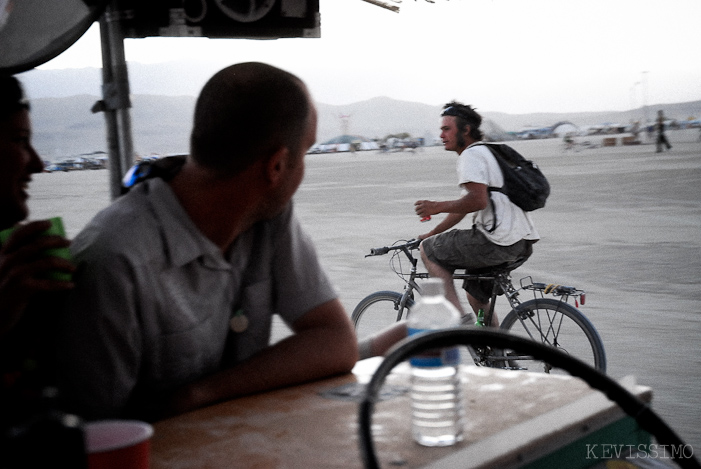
(95, 163)
(65, 165)
(78, 163)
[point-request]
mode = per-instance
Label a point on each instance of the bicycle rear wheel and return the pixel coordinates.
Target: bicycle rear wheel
(378, 311)
(556, 324)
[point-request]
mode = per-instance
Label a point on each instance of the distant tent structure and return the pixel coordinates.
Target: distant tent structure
(565, 128)
(342, 139)
(346, 143)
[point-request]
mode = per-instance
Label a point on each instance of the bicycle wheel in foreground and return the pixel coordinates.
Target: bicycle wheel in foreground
(378, 311)
(557, 324)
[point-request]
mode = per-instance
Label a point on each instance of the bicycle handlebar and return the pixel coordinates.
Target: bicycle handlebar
(409, 245)
(379, 251)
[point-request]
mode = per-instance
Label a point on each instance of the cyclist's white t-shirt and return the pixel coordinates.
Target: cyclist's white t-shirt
(477, 164)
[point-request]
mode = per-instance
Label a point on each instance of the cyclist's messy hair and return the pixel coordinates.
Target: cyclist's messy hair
(465, 115)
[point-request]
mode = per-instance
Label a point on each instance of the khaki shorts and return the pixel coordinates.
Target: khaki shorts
(471, 250)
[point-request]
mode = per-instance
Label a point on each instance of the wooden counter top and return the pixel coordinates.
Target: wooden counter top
(315, 424)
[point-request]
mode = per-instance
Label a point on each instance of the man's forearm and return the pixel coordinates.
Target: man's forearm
(309, 354)
(447, 223)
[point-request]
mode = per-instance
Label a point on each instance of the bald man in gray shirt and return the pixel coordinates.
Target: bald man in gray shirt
(178, 280)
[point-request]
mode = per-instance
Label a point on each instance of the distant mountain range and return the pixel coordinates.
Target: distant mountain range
(64, 125)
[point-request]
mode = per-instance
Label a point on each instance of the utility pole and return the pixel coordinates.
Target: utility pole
(645, 96)
(345, 123)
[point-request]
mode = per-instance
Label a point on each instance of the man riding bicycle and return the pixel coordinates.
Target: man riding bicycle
(489, 242)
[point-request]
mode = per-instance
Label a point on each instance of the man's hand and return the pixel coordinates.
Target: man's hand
(425, 208)
(24, 270)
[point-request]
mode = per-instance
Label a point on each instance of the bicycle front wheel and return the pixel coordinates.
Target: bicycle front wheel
(556, 324)
(378, 311)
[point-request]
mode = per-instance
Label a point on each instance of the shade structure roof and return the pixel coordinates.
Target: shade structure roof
(346, 139)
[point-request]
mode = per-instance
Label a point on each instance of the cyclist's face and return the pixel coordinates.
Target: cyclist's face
(453, 140)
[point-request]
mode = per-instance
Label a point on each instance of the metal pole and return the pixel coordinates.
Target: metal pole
(645, 96)
(115, 101)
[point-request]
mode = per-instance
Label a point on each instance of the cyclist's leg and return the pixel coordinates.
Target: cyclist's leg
(477, 305)
(438, 271)
(455, 249)
(480, 293)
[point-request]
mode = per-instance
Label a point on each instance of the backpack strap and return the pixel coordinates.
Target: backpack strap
(165, 168)
(491, 188)
(494, 214)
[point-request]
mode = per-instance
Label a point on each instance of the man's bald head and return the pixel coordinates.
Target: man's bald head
(246, 112)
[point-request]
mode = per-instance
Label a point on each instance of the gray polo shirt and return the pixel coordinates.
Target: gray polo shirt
(155, 298)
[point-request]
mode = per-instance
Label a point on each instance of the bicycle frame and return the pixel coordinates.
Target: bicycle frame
(501, 275)
(554, 322)
(501, 278)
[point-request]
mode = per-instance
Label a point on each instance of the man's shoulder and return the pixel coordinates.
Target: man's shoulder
(478, 152)
(127, 224)
(478, 148)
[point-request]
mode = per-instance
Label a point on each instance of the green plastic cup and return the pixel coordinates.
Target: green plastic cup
(55, 229)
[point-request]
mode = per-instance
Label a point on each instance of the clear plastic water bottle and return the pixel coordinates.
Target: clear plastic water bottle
(436, 394)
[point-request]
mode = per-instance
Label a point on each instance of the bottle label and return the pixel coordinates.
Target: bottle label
(433, 358)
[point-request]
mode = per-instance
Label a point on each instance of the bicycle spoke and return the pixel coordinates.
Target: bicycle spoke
(556, 324)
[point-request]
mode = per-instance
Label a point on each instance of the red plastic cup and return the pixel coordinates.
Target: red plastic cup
(118, 444)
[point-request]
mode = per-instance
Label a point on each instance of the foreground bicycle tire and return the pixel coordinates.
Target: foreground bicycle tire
(378, 311)
(556, 324)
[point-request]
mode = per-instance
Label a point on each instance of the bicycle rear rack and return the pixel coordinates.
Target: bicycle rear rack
(579, 296)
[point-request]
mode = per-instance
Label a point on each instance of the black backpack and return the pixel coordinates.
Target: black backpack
(524, 183)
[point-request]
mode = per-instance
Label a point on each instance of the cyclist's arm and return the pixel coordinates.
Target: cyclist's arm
(476, 199)
(447, 223)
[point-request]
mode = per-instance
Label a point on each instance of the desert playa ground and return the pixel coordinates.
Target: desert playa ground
(622, 223)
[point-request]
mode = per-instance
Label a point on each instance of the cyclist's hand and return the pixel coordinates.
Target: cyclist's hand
(425, 208)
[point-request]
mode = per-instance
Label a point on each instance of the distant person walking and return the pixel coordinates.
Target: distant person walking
(661, 137)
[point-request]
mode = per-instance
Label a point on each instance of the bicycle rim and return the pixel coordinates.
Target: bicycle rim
(556, 324)
(377, 312)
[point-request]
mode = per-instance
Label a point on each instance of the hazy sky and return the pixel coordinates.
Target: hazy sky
(514, 56)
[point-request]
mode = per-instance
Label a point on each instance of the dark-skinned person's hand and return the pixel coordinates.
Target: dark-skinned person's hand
(425, 208)
(25, 269)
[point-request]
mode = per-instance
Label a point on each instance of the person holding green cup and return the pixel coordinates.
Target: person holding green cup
(34, 260)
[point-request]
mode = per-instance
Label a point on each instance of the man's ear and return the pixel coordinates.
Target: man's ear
(276, 166)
